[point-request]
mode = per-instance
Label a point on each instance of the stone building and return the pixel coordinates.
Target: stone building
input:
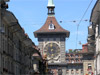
(74, 63)
(80, 62)
(51, 37)
(94, 35)
(16, 48)
(88, 60)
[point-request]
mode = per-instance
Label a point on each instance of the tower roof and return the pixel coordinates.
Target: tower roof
(51, 25)
(57, 28)
(50, 3)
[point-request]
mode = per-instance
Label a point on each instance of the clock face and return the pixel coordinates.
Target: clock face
(52, 50)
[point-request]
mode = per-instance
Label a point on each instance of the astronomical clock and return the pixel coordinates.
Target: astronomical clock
(52, 50)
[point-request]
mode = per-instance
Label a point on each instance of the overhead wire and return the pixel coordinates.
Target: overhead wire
(74, 21)
(81, 21)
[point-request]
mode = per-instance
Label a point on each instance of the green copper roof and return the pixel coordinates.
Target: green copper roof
(50, 3)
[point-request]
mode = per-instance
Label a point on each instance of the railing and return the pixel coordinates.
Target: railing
(73, 62)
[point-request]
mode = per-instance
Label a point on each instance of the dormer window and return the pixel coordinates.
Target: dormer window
(51, 26)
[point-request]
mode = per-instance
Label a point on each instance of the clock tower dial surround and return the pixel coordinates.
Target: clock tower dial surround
(52, 50)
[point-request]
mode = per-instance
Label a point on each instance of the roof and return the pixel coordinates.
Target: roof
(45, 27)
(95, 12)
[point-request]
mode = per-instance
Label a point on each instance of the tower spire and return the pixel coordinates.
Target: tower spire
(50, 3)
(50, 7)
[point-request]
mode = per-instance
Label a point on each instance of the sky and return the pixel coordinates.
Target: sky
(32, 14)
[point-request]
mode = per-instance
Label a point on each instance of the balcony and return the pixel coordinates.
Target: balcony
(74, 57)
(74, 62)
(70, 57)
(90, 30)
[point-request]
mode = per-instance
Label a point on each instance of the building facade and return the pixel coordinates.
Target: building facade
(74, 62)
(80, 62)
(88, 60)
(94, 35)
(16, 48)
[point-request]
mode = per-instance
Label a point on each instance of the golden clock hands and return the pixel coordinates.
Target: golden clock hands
(51, 45)
(51, 50)
(52, 55)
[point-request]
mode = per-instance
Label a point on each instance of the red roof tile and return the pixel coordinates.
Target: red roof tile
(45, 27)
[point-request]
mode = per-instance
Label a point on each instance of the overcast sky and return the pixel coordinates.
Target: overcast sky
(32, 14)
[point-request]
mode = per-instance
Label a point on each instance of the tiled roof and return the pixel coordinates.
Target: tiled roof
(45, 27)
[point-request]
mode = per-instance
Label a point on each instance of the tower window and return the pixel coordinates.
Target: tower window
(51, 26)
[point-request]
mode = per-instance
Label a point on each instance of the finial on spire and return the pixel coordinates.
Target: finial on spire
(50, 3)
(51, 7)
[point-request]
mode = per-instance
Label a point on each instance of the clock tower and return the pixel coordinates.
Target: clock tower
(51, 37)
